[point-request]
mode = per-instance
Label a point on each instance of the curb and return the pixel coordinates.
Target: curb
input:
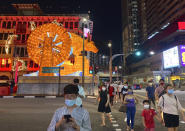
(31, 96)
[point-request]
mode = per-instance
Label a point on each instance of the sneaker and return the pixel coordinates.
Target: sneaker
(125, 119)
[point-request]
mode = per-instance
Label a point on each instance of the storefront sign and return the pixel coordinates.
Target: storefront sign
(171, 57)
(182, 53)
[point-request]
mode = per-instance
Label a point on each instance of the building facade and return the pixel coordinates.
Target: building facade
(20, 26)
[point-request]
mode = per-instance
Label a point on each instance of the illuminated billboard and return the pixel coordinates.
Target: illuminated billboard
(171, 58)
(182, 54)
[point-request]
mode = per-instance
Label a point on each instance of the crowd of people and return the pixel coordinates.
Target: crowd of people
(166, 107)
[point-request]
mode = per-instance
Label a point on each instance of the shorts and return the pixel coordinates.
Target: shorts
(171, 120)
(149, 129)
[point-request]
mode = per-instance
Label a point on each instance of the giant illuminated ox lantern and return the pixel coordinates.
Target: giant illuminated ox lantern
(50, 45)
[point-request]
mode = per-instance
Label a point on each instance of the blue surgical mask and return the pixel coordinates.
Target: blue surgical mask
(171, 91)
(126, 87)
(70, 102)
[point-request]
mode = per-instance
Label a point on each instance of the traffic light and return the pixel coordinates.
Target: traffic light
(138, 53)
(90, 69)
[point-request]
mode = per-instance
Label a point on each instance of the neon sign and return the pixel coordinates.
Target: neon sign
(182, 53)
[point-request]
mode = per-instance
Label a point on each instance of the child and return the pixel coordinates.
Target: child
(148, 115)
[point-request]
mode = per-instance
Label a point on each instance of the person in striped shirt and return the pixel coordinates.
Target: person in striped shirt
(70, 117)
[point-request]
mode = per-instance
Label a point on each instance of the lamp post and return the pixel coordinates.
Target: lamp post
(83, 54)
(110, 62)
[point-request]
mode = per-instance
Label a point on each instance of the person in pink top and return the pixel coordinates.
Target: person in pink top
(159, 90)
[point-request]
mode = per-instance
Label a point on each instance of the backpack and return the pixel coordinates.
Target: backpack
(175, 99)
(162, 93)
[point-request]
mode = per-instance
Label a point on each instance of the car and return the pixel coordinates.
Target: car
(136, 87)
(4, 89)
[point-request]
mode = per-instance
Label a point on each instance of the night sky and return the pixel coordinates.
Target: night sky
(106, 15)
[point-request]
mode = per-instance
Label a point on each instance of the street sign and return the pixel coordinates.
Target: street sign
(51, 69)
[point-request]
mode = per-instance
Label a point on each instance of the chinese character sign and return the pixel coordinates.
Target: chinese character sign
(182, 51)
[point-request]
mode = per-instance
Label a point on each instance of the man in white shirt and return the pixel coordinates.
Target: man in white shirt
(70, 117)
(81, 93)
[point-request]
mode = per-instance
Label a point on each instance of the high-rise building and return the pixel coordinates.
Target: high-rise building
(156, 15)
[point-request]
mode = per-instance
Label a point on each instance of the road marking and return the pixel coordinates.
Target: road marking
(183, 122)
(115, 125)
(8, 96)
(118, 129)
(50, 97)
(141, 96)
(92, 97)
(29, 96)
(113, 121)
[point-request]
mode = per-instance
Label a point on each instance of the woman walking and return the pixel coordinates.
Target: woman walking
(170, 106)
(104, 107)
(130, 101)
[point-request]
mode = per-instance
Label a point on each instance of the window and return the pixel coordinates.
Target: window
(1, 36)
(23, 27)
(22, 52)
(4, 25)
(71, 25)
(23, 37)
(5, 36)
(76, 24)
(17, 51)
(14, 24)
(10, 50)
(3, 51)
(9, 25)
(27, 36)
(26, 52)
(7, 65)
(19, 26)
(31, 64)
(66, 24)
(19, 37)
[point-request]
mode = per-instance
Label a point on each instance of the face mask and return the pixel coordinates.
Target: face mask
(103, 89)
(70, 102)
(130, 92)
(170, 91)
(162, 84)
(146, 106)
(126, 87)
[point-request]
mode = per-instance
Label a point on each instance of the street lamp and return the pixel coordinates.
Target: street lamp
(152, 52)
(110, 62)
(84, 20)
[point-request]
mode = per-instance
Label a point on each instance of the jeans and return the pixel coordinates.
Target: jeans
(130, 116)
(152, 99)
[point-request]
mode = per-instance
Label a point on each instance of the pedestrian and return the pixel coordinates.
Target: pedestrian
(120, 89)
(81, 93)
(103, 106)
(130, 100)
(115, 93)
(111, 93)
(150, 92)
(124, 92)
(159, 90)
(170, 106)
(148, 116)
(70, 117)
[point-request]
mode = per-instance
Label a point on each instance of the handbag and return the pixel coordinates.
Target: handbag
(123, 108)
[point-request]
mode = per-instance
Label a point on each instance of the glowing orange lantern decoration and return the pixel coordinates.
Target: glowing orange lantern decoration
(48, 45)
